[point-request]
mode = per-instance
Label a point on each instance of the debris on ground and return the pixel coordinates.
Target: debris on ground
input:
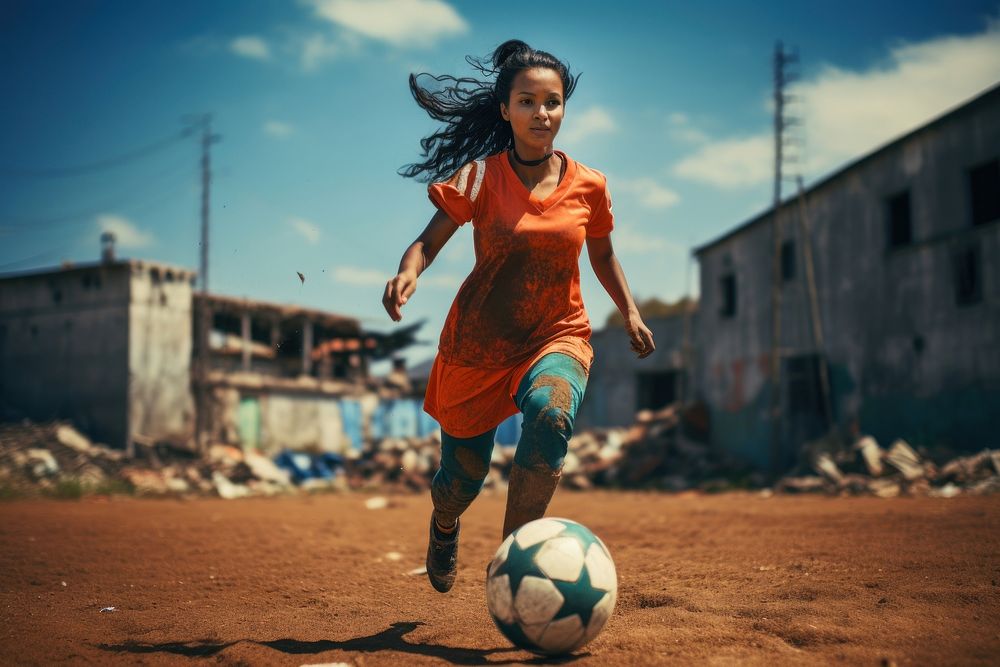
(665, 449)
(865, 468)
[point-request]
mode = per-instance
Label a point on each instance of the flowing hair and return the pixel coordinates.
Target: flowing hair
(470, 109)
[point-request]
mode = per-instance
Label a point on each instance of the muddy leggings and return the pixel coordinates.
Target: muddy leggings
(548, 396)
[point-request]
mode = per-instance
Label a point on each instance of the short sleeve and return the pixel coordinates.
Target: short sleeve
(458, 195)
(602, 220)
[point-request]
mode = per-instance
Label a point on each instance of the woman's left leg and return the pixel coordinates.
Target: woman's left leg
(549, 396)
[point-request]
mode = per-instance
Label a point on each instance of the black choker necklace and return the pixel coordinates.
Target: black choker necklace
(531, 163)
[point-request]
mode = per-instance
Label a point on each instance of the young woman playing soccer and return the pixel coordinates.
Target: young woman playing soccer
(517, 335)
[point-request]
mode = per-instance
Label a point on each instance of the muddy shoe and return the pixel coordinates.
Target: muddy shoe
(442, 558)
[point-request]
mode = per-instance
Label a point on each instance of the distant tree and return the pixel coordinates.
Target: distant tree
(653, 308)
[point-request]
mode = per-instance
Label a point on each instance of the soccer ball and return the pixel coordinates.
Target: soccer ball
(551, 586)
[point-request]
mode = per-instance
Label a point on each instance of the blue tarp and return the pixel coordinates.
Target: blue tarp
(303, 466)
(350, 414)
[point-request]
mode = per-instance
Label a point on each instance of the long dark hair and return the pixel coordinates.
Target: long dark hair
(470, 109)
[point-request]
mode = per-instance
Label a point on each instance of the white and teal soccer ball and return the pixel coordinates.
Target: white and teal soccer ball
(551, 586)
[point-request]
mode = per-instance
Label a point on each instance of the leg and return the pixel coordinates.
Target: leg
(549, 397)
(464, 465)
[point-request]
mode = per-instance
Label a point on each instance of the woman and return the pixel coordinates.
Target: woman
(516, 337)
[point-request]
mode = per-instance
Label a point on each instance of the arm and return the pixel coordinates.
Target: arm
(609, 272)
(415, 261)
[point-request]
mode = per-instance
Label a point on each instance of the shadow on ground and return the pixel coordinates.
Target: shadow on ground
(390, 639)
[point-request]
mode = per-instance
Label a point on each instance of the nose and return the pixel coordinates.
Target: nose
(541, 112)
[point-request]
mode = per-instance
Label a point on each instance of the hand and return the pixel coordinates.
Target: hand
(398, 292)
(641, 337)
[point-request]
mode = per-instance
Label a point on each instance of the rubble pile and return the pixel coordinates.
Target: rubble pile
(865, 468)
(55, 458)
(663, 450)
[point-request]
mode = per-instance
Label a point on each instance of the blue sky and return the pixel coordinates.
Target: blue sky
(311, 102)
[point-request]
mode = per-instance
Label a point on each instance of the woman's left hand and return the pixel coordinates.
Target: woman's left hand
(640, 336)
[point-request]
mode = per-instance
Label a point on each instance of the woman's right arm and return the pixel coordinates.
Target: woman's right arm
(415, 261)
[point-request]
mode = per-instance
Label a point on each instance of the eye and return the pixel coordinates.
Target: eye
(553, 103)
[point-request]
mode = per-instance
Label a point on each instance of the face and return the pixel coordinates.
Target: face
(535, 110)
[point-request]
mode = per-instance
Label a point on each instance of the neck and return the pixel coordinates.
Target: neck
(530, 157)
(531, 162)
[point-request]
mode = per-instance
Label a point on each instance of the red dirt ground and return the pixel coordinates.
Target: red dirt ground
(727, 579)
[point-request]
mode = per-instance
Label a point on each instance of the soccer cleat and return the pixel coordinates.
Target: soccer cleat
(442, 558)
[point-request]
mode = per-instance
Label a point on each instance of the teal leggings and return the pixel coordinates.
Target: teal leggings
(549, 396)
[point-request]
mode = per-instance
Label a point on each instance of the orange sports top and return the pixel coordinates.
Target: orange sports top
(522, 299)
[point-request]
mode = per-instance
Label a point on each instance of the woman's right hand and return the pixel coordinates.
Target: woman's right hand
(398, 292)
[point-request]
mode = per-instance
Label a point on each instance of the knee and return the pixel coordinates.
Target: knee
(545, 415)
(546, 431)
(465, 464)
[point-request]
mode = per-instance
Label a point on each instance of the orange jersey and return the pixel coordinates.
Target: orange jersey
(522, 299)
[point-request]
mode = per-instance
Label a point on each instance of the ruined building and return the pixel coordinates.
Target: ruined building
(905, 243)
(113, 347)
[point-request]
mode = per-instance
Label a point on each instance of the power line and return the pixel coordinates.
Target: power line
(125, 200)
(33, 258)
(99, 165)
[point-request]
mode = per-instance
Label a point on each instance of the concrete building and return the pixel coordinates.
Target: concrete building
(112, 346)
(906, 246)
(105, 345)
(620, 384)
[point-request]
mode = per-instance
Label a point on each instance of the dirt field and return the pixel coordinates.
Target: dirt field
(729, 579)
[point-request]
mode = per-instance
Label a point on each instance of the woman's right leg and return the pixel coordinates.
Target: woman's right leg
(465, 463)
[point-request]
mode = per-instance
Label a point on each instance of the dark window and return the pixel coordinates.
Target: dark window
(804, 390)
(984, 184)
(900, 225)
(656, 390)
(788, 261)
(968, 276)
(728, 285)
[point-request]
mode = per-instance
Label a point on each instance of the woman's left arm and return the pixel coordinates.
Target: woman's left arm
(609, 272)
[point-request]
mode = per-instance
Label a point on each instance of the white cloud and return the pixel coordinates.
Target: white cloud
(848, 113)
(647, 192)
(627, 241)
(127, 235)
(588, 123)
(730, 163)
(353, 275)
(306, 229)
(319, 49)
(681, 129)
(401, 23)
(250, 46)
(278, 129)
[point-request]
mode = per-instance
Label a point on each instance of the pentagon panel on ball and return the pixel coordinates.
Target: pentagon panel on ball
(551, 586)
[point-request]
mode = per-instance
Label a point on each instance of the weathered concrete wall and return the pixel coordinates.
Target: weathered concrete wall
(161, 405)
(906, 359)
(612, 388)
(64, 347)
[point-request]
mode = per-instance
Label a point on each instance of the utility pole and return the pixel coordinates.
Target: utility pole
(814, 316)
(781, 78)
(203, 312)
